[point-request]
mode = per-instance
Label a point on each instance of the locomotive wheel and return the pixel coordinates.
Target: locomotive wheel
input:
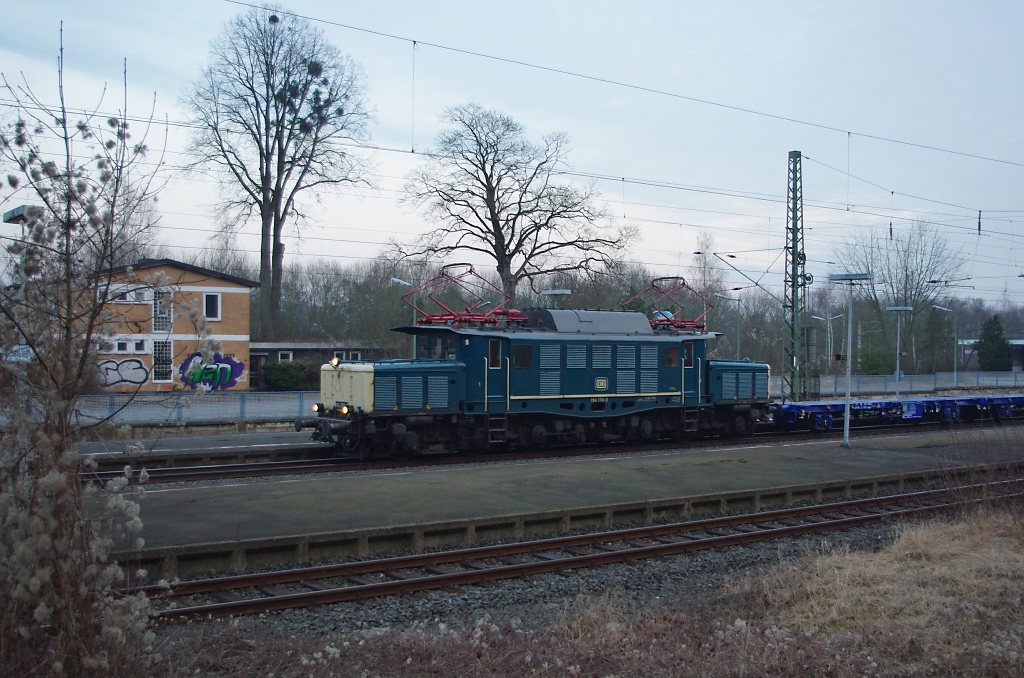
(742, 426)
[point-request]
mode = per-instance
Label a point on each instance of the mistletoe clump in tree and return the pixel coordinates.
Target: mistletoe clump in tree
(276, 113)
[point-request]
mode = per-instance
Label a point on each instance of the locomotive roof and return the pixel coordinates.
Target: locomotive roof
(548, 321)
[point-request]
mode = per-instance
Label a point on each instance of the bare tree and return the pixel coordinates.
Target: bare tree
(60, 614)
(277, 112)
(492, 191)
(605, 288)
(912, 269)
(706, 274)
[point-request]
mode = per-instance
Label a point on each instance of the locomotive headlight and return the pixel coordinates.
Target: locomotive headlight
(316, 407)
(335, 361)
(344, 409)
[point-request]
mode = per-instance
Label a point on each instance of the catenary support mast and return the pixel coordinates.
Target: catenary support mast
(794, 303)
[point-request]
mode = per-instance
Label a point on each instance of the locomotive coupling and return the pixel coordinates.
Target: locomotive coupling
(325, 425)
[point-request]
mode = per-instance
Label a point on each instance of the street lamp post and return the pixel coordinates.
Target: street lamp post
(828, 331)
(899, 324)
(850, 279)
(738, 316)
(956, 345)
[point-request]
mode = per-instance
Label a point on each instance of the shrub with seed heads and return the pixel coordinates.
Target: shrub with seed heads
(59, 610)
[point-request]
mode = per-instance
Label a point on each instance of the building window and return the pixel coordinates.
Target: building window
(355, 355)
(163, 367)
(284, 356)
(140, 346)
(211, 305)
(161, 311)
(121, 346)
(124, 294)
(340, 355)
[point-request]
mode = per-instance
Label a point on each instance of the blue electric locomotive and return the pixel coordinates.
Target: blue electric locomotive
(535, 378)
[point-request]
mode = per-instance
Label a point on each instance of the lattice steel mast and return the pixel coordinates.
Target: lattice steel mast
(794, 303)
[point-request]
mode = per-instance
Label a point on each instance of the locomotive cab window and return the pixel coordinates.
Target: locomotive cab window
(494, 353)
(688, 354)
(435, 348)
(522, 356)
(671, 356)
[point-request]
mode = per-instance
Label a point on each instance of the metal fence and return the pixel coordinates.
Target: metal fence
(833, 386)
(256, 406)
(172, 408)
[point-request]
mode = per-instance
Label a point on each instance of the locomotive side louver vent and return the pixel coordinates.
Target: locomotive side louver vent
(648, 357)
(625, 357)
(550, 357)
(602, 357)
(385, 393)
(437, 391)
(648, 381)
(625, 381)
(729, 386)
(761, 386)
(550, 383)
(576, 356)
(746, 386)
(412, 393)
(550, 366)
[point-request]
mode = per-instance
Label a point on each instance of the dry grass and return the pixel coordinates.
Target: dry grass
(944, 598)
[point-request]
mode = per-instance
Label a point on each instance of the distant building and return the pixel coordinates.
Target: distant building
(313, 352)
(970, 355)
(156, 306)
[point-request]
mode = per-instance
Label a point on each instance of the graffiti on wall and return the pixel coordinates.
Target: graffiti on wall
(129, 371)
(221, 374)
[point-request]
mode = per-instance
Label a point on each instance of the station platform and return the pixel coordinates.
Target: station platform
(271, 508)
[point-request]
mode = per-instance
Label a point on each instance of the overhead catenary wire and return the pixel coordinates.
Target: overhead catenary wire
(635, 87)
(724, 192)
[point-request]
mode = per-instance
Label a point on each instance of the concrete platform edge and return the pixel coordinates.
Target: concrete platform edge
(191, 559)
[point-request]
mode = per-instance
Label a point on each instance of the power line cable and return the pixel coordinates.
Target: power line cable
(639, 88)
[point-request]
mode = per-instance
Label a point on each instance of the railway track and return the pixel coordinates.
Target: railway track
(221, 471)
(320, 585)
(179, 474)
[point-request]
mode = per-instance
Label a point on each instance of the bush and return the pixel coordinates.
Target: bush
(292, 376)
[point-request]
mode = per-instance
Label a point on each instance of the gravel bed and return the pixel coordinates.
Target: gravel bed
(679, 581)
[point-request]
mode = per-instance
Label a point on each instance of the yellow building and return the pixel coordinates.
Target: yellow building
(159, 309)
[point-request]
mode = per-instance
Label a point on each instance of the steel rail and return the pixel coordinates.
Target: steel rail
(175, 474)
(831, 517)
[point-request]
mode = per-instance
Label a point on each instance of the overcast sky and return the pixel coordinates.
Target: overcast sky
(939, 74)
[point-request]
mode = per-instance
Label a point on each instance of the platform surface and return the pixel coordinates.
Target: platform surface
(277, 507)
